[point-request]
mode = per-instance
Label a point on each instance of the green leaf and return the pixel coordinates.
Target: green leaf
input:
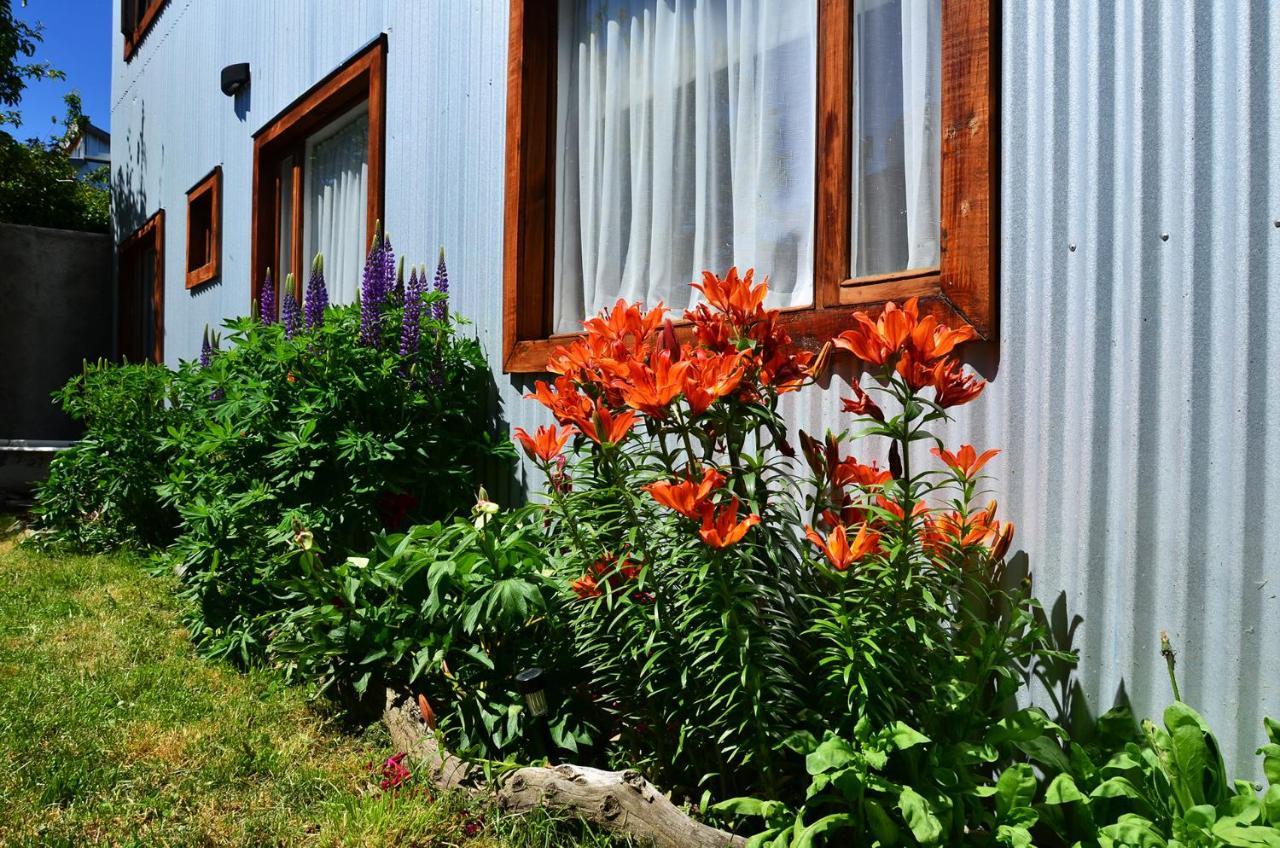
(904, 737)
(920, 817)
(832, 753)
(822, 826)
(1063, 790)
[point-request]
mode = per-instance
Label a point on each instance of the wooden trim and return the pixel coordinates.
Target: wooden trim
(151, 234)
(363, 77)
(961, 290)
(970, 106)
(529, 223)
(209, 187)
(134, 37)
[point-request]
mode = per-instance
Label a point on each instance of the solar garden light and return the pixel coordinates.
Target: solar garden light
(531, 683)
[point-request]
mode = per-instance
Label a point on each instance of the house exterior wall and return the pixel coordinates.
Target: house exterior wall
(1133, 388)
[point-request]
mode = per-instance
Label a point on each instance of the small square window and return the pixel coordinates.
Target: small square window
(204, 222)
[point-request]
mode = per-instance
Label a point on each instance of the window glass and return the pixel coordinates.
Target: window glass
(685, 133)
(897, 139)
(336, 179)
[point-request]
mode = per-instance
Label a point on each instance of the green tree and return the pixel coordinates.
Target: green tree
(39, 185)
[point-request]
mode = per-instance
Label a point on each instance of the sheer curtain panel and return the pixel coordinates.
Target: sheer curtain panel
(897, 135)
(685, 134)
(334, 219)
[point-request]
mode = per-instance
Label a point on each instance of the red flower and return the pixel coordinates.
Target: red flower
(862, 404)
(953, 386)
(585, 587)
(721, 528)
(546, 444)
(394, 772)
(966, 462)
(686, 497)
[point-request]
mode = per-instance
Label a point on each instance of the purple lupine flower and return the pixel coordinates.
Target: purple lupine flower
(440, 309)
(267, 300)
(206, 349)
(316, 298)
(373, 290)
(290, 312)
(410, 328)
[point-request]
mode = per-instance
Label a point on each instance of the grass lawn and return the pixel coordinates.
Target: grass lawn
(112, 732)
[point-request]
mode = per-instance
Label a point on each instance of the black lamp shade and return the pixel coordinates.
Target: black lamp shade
(234, 78)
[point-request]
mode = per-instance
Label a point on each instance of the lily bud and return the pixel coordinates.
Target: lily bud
(669, 341)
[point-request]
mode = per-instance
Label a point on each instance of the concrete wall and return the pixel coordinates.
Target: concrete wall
(55, 287)
(1133, 391)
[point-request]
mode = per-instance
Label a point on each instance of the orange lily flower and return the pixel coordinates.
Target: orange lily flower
(652, 389)
(966, 462)
(686, 497)
(546, 444)
(735, 296)
(712, 377)
(721, 527)
(851, 471)
(585, 587)
(566, 403)
(837, 548)
(876, 342)
(625, 320)
(862, 404)
(914, 372)
(603, 427)
(931, 340)
(953, 386)
(895, 509)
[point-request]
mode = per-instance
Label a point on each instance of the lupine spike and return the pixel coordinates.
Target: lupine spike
(206, 349)
(267, 300)
(316, 298)
(290, 313)
(410, 327)
(372, 292)
(440, 309)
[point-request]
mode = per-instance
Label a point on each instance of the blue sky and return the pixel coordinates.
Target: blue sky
(77, 40)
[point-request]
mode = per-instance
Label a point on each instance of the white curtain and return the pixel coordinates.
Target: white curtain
(685, 141)
(334, 218)
(897, 120)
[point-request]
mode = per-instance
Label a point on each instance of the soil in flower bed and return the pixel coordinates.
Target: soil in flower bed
(112, 732)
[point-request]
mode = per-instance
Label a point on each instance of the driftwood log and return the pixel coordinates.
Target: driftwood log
(620, 801)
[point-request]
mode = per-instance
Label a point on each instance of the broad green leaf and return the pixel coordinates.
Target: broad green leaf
(904, 737)
(824, 825)
(920, 817)
(1063, 790)
(832, 753)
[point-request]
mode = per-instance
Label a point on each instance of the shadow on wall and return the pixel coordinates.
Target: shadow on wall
(128, 193)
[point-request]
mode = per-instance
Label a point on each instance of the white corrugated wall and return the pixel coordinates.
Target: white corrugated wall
(1134, 389)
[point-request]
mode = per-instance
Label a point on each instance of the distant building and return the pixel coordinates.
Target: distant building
(90, 149)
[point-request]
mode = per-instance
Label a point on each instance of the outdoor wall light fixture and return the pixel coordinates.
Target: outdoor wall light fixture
(531, 683)
(235, 78)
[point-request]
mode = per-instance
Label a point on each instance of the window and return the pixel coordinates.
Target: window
(136, 18)
(318, 177)
(204, 229)
(844, 147)
(140, 300)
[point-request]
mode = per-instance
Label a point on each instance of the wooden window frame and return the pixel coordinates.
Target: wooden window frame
(133, 35)
(150, 234)
(208, 189)
(361, 78)
(961, 290)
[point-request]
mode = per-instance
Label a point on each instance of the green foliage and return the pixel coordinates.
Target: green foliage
(453, 610)
(315, 435)
(101, 492)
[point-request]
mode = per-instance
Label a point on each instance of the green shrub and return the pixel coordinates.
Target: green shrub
(313, 431)
(101, 492)
(453, 610)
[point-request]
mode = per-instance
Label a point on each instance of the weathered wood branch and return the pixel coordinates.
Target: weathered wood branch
(619, 801)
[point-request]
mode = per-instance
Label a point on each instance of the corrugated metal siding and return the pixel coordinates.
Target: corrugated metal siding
(1133, 389)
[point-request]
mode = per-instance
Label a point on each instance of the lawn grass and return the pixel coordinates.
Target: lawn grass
(112, 732)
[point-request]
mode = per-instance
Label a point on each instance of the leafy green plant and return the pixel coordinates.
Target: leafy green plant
(101, 492)
(337, 430)
(453, 610)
